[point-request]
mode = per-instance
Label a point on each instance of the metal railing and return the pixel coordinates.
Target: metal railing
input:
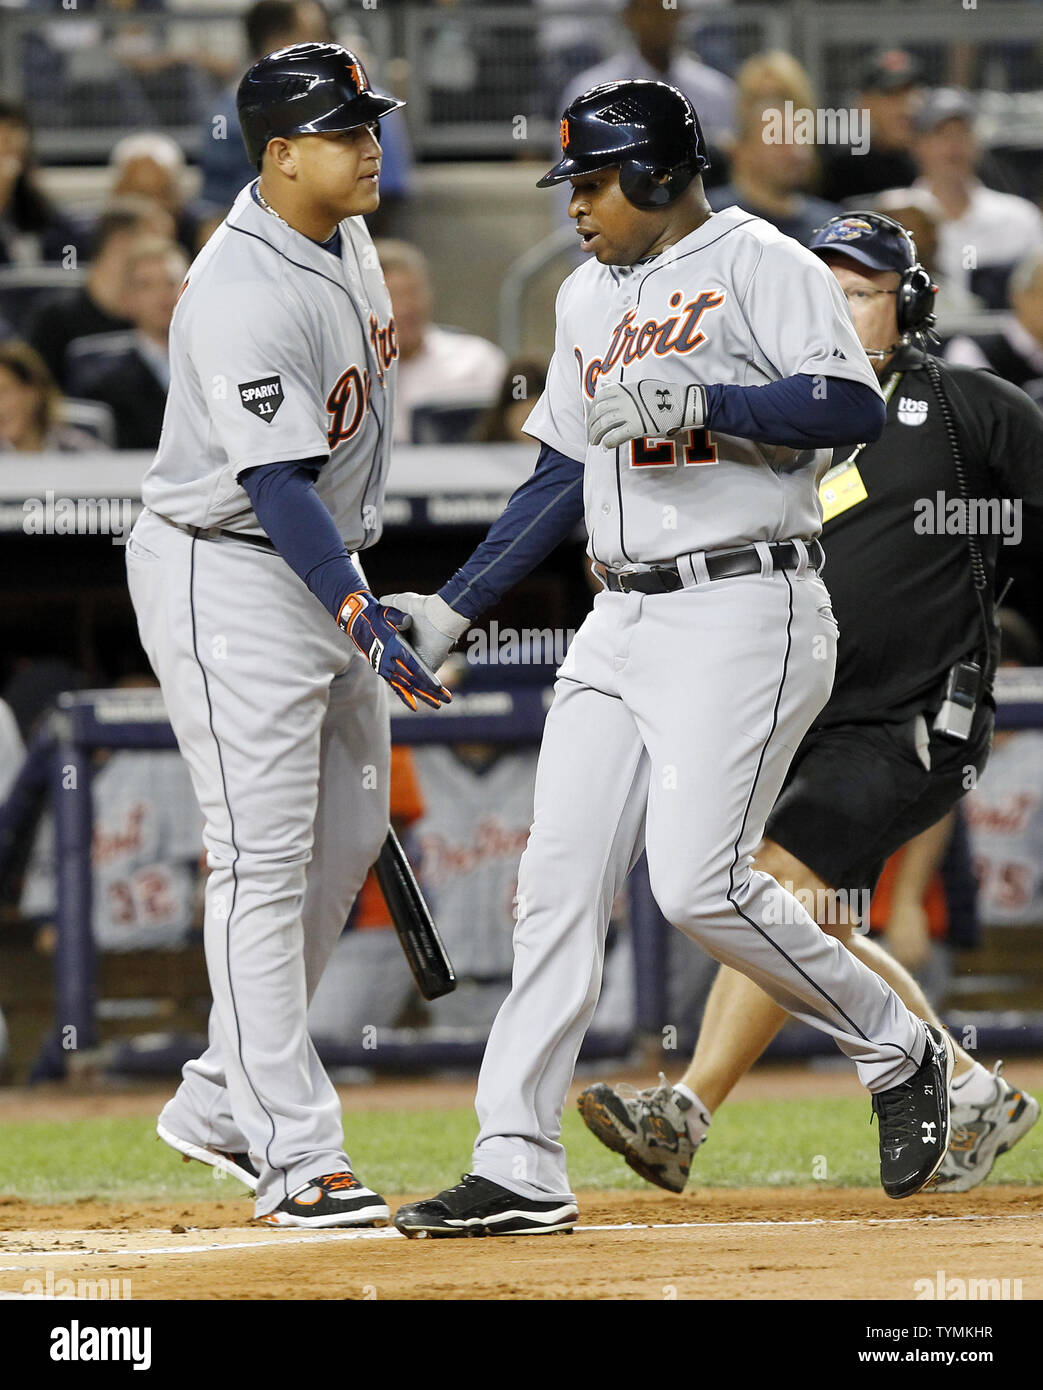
(481, 78)
(484, 79)
(87, 78)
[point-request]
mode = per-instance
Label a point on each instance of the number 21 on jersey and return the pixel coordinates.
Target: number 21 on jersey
(690, 448)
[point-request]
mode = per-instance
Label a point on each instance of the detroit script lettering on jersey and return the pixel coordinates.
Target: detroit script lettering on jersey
(736, 304)
(349, 400)
(278, 350)
(631, 341)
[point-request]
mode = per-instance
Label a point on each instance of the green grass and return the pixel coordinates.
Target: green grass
(752, 1144)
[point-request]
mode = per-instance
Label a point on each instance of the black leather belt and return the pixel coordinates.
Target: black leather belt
(216, 533)
(724, 564)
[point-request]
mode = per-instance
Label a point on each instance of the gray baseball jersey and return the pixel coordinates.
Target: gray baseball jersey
(675, 715)
(278, 351)
(735, 301)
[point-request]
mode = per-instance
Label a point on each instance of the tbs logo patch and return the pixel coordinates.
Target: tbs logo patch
(263, 398)
(911, 412)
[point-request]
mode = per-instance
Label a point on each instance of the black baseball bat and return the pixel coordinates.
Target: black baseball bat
(432, 969)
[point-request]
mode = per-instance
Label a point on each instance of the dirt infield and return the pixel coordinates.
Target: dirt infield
(753, 1244)
(761, 1243)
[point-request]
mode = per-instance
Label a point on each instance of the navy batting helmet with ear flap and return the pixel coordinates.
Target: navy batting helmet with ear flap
(881, 243)
(648, 129)
(306, 89)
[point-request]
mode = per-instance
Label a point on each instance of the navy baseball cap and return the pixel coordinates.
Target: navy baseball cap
(873, 240)
(890, 70)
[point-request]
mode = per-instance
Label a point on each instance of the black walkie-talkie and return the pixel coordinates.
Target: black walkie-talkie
(956, 715)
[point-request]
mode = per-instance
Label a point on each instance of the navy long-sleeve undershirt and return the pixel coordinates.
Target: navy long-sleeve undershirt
(299, 525)
(797, 412)
(800, 412)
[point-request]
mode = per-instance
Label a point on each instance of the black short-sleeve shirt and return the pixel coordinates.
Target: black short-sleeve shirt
(897, 564)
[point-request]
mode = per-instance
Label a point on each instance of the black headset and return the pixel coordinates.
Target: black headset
(914, 298)
(916, 290)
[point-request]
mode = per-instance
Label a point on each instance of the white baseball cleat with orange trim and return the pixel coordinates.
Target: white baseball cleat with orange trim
(335, 1199)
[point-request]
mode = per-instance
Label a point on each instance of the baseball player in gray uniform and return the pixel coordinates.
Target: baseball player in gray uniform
(244, 576)
(704, 367)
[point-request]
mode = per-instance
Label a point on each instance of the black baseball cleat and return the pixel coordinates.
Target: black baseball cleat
(914, 1120)
(478, 1207)
(236, 1165)
(335, 1199)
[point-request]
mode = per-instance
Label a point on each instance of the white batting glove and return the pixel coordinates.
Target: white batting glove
(645, 408)
(433, 626)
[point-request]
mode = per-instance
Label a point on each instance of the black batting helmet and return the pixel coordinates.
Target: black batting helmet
(648, 129)
(881, 243)
(307, 89)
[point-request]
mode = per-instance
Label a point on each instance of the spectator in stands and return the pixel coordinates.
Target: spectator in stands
(772, 78)
(99, 305)
(769, 170)
(569, 43)
(135, 383)
(269, 25)
(985, 232)
(522, 385)
(437, 366)
(654, 51)
(151, 165)
(889, 93)
(1014, 350)
(32, 231)
(921, 215)
(31, 405)
(1005, 810)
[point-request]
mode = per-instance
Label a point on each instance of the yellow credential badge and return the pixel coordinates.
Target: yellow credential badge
(841, 487)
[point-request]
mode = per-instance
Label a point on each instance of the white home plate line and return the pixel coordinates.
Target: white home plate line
(389, 1233)
(821, 1221)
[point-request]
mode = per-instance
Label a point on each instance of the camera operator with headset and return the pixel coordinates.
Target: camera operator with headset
(912, 528)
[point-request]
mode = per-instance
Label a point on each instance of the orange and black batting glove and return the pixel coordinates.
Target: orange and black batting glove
(373, 627)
